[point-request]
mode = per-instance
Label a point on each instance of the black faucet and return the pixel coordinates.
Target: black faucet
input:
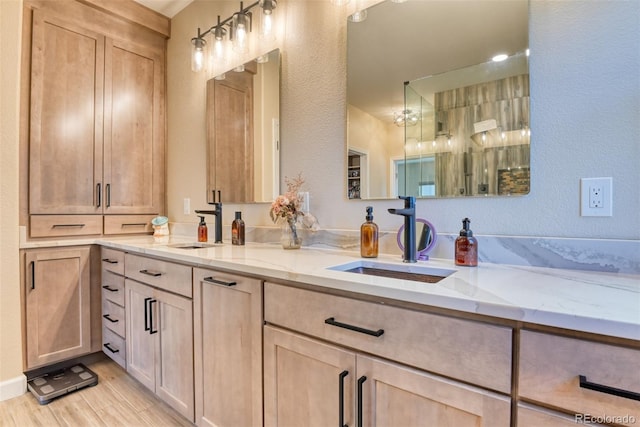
(409, 213)
(218, 214)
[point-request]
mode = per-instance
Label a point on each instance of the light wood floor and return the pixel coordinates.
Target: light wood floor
(117, 400)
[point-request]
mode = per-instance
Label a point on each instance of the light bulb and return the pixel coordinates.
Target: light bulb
(197, 54)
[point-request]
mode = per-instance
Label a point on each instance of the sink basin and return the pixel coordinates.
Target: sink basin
(197, 245)
(417, 273)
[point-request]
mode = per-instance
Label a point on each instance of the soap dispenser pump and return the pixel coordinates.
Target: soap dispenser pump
(369, 236)
(466, 246)
(202, 230)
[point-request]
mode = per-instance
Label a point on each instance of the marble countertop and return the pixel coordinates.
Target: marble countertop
(601, 303)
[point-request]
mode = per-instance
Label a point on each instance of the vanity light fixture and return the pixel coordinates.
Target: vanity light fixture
(237, 27)
(197, 53)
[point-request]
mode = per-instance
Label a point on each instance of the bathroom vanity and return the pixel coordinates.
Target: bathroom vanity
(254, 335)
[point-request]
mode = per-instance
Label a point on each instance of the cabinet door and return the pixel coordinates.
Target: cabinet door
(303, 379)
(395, 395)
(134, 129)
(65, 153)
(228, 338)
(174, 360)
(57, 295)
(141, 344)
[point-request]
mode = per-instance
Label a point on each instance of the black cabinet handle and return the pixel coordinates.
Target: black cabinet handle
(110, 289)
(361, 381)
(151, 273)
(607, 389)
(146, 314)
(110, 261)
(133, 224)
(151, 331)
(99, 194)
(218, 282)
(108, 347)
(68, 225)
(332, 321)
(108, 190)
(106, 316)
(33, 275)
(341, 398)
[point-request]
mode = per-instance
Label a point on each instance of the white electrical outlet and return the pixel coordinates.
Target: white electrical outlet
(595, 197)
(187, 206)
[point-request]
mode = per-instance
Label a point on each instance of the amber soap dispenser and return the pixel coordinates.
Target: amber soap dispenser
(466, 246)
(237, 230)
(369, 236)
(202, 231)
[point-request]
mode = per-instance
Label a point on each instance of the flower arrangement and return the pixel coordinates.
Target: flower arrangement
(287, 206)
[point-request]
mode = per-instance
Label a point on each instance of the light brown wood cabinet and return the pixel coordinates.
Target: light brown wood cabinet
(324, 384)
(344, 380)
(96, 125)
(113, 310)
(228, 349)
(160, 339)
(592, 379)
(57, 294)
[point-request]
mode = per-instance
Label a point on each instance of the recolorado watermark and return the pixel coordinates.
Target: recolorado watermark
(604, 419)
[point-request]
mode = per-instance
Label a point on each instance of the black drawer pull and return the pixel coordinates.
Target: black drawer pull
(33, 275)
(110, 261)
(112, 350)
(133, 224)
(99, 194)
(106, 316)
(332, 321)
(108, 188)
(361, 381)
(218, 282)
(151, 273)
(110, 289)
(607, 389)
(67, 225)
(341, 398)
(151, 331)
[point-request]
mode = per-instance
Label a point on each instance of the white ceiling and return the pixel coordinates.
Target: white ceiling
(168, 8)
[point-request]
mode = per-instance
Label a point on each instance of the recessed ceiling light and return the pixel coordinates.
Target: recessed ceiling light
(500, 57)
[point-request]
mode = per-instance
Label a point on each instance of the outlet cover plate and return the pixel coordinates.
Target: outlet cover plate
(596, 196)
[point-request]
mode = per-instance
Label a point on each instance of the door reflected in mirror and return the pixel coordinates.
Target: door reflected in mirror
(429, 113)
(243, 131)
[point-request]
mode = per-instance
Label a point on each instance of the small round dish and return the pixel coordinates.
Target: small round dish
(159, 220)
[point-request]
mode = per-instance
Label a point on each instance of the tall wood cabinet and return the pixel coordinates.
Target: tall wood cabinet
(96, 122)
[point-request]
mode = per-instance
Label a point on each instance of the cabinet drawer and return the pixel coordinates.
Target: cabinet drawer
(113, 260)
(65, 225)
(128, 224)
(165, 275)
(551, 366)
(531, 416)
(113, 317)
(471, 351)
(114, 346)
(113, 287)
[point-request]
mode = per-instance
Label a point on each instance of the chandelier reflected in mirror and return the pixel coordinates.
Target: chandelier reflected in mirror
(406, 118)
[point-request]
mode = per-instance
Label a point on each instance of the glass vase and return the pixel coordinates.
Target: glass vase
(290, 237)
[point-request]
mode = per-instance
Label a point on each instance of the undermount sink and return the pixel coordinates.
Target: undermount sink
(416, 273)
(196, 245)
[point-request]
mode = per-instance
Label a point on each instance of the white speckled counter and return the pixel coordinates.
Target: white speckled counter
(601, 303)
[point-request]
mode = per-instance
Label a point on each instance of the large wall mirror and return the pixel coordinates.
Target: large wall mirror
(243, 132)
(430, 113)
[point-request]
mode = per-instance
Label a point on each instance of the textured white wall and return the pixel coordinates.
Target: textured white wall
(585, 85)
(10, 319)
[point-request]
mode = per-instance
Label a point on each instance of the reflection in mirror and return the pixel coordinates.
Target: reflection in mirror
(243, 136)
(425, 238)
(396, 148)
